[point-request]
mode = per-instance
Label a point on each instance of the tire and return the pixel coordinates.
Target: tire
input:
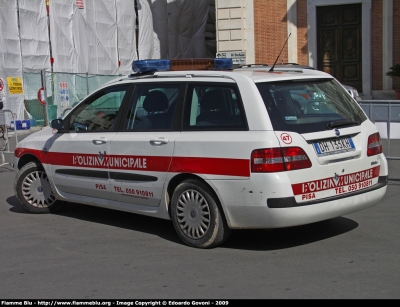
(196, 216)
(33, 190)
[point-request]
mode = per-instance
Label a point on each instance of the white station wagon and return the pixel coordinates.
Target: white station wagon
(209, 147)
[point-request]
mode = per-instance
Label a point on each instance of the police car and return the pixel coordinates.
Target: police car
(209, 147)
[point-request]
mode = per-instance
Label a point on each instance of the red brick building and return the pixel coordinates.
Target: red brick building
(357, 41)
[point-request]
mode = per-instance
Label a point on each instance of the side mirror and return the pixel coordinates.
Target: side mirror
(57, 124)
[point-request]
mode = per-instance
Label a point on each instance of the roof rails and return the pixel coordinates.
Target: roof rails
(252, 65)
(278, 65)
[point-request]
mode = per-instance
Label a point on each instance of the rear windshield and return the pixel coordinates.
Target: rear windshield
(309, 106)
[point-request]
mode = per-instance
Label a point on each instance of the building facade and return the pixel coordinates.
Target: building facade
(357, 41)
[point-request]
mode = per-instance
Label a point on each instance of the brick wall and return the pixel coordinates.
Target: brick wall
(270, 30)
(376, 42)
(302, 46)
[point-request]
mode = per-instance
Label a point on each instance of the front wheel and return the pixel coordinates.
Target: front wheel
(33, 190)
(196, 216)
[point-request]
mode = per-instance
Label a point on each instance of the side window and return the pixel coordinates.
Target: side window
(152, 107)
(99, 111)
(213, 107)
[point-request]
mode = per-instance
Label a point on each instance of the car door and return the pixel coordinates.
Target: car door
(141, 153)
(81, 155)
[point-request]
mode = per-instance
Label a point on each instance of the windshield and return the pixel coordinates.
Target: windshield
(305, 106)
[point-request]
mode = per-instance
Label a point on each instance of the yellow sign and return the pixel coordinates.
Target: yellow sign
(15, 85)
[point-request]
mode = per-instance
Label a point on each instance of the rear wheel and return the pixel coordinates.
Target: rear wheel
(196, 216)
(33, 190)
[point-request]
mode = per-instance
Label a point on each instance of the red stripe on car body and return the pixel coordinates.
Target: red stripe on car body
(199, 165)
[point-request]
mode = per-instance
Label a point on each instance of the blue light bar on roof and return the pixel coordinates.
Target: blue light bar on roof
(151, 65)
(182, 64)
(223, 63)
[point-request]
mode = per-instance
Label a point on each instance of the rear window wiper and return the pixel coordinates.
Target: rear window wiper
(341, 123)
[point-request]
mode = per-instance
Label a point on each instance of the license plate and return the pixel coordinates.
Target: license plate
(334, 146)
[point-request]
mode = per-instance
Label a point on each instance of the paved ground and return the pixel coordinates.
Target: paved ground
(86, 252)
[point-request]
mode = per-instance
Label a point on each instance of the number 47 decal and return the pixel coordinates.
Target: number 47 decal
(286, 138)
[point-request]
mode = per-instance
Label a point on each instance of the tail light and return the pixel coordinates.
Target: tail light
(374, 144)
(279, 159)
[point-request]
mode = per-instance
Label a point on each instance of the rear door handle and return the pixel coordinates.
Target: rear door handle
(159, 141)
(99, 141)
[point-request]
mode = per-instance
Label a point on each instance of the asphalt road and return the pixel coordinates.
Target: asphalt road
(85, 252)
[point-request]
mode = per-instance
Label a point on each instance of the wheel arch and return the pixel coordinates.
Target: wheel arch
(176, 180)
(25, 159)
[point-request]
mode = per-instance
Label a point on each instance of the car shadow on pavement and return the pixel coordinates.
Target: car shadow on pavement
(257, 239)
(282, 238)
(141, 223)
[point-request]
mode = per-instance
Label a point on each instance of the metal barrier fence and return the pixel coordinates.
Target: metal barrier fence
(6, 150)
(63, 90)
(383, 111)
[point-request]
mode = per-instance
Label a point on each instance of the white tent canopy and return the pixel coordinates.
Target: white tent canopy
(96, 36)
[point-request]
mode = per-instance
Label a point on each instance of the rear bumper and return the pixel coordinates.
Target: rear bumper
(290, 202)
(287, 212)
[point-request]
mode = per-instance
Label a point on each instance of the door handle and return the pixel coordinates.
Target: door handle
(159, 141)
(99, 141)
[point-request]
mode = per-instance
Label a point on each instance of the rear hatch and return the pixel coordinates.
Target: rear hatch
(329, 146)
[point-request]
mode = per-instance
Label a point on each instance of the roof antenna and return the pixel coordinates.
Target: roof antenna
(272, 68)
